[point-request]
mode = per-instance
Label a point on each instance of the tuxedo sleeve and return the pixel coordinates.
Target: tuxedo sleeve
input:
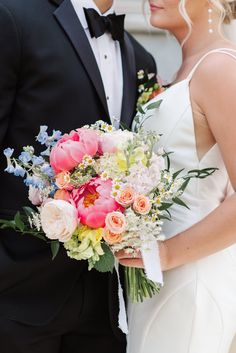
(9, 67)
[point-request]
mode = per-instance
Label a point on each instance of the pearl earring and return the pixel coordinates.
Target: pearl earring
(210, 20)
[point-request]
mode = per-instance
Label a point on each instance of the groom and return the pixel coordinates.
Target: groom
(61, 65)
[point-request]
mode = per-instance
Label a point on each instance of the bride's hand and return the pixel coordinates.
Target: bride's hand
(135, 259)
(130, 260)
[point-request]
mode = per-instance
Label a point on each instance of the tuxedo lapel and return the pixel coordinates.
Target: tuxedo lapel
(67, 18)
(130, 81)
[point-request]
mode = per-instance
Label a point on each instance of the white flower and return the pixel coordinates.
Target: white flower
(112, 141)
(59, 220)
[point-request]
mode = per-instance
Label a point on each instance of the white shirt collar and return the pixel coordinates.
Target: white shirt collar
(89, 4)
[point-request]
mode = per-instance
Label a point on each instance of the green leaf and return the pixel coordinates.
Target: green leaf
(106, 261)
(180, 202)
(55, 246)
(140, 110)
(165, 217)
(202, 173)
(165, 205)
(154, 105)
(177, 173)
(123, 126)
(4, 224)
(18, 221)
(185, 184)
(28, 211)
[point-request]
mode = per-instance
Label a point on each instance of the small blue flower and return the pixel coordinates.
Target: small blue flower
(8, 152)
(19, 171)
(56, 135)
(25, 157)
(46, 152)
(28, 181)
(10, 169)
(43, 135)
(46, 169)
(34, 181)
(37, 160)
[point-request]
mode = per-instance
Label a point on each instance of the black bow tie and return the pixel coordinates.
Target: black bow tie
(98, 25)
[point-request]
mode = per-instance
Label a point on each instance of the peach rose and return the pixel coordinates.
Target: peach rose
(62, 195)
(126, 197)
(142, 204)
(63, 180)
(111, 238)
(115, 222)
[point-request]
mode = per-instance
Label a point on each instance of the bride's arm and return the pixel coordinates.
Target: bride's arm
(215, 92)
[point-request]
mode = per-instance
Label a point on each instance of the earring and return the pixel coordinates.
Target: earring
(210, 20)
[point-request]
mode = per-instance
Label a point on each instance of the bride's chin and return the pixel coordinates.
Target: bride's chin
(157, 23)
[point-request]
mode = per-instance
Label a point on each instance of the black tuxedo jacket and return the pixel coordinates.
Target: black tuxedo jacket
(48, 76)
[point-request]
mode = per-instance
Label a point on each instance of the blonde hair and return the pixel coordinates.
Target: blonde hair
(226, 9)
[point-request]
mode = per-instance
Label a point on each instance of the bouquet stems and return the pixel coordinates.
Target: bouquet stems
(138, 286)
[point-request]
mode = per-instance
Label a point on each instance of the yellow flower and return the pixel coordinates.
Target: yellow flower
(138, 156)
(121, 161)
(94, 235)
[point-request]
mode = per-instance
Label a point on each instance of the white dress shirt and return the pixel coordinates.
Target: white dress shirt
(108, 56)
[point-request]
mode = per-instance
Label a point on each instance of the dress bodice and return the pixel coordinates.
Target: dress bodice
(174, 121)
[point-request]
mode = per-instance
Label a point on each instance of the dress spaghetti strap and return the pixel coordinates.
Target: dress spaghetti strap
(226, 51)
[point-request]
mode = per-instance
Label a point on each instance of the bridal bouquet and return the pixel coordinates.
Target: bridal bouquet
(98, 191)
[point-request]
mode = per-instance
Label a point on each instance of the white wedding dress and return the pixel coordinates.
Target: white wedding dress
(195, 311)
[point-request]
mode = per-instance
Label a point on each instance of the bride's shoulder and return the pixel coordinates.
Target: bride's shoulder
(218, 69)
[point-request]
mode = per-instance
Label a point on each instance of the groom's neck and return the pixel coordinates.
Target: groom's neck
(104, 5)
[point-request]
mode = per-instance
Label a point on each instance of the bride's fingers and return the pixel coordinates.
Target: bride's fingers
(138, 263)
(124, 255)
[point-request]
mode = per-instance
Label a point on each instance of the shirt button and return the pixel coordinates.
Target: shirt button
(105, 56)
(108, 98)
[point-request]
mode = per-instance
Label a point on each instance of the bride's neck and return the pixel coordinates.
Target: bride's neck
(197, 44)
(200, 39)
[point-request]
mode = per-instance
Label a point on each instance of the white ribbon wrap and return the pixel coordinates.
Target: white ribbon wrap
(151, 258)
(123, 323)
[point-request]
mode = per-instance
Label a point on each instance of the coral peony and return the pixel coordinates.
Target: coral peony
(71, 149)
(93, 202)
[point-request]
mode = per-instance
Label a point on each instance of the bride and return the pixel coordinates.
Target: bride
(195, 311)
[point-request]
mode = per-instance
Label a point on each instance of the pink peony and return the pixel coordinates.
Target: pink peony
(93, 202)
(71, 149)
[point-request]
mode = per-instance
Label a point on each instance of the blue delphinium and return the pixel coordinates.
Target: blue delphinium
(19, 171)
(38, 160)
(8, 152)
(43, 135)
(46, 169)
(45, 139)
(25, 157)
